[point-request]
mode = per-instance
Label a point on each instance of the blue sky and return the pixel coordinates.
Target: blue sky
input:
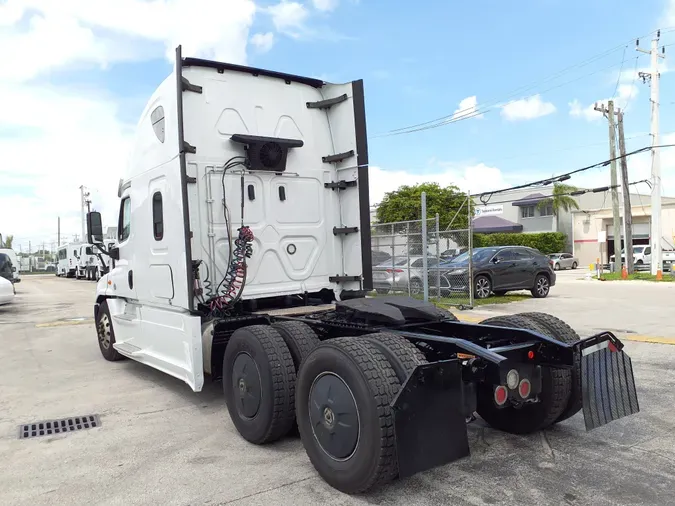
(419, 61)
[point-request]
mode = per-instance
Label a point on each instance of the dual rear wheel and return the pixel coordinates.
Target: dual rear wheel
(338, 392)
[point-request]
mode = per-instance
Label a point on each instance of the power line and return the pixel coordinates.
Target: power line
(486, 196)
(471, 112)
(618, 79)
(486, 108)
(576, 193)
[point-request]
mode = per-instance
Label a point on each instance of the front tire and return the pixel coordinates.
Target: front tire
(574, 265)
(482, 287)
(556, 267)
(344, 392)
(259, 383)
(106, 334)
(542, 287)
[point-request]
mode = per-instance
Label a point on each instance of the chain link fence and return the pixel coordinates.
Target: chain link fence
(418, 259)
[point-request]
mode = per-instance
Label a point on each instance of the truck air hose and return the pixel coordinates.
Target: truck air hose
(233, 284)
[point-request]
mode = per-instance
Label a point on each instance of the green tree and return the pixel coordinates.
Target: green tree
(7, 242)
(560, 199)
(405, 204)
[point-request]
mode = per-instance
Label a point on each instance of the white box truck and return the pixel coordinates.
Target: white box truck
(244, 256)
(67, 260)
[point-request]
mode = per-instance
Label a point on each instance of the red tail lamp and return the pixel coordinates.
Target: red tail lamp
(501, 394)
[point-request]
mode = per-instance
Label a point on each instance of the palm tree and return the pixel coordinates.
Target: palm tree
(560, 201)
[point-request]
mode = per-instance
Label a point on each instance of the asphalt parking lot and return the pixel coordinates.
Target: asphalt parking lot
(160, 443)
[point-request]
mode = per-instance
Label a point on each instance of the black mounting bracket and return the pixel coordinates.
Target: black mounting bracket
(340, 185)
(190, 179)
(344, 230)
(328, 103)
(189, 148)
(342, 279)
(338, 157)
(188, 86)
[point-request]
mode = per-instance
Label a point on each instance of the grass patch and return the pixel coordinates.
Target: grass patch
(460, 301)
(641, 276)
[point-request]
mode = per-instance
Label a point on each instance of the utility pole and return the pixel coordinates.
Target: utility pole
(654, 77)
(627, 210)
(84, 203)
(616, 219)
(58, 232)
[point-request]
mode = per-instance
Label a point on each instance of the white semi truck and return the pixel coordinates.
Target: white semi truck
(243, 255)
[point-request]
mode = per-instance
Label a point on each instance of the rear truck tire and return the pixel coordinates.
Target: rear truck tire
(482, 287)
(574, 265)
(558, 329)
(106, 334)
(259, 383)
(500, 293)
(403, 355)
(542, 286)
(556, 385)
(345, 388)
(301, 340)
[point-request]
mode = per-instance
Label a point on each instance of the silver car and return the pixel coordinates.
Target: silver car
(401, 275)
(563, 261)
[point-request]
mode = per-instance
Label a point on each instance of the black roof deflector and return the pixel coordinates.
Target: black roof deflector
(222, 67)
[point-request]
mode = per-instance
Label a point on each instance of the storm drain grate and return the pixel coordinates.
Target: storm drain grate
(50, 427)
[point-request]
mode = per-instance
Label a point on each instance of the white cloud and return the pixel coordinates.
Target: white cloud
(289, 17)
(263, 41)
(527, 108)
(68, 32)
(325, 5)
(626, 93)
(467, 109)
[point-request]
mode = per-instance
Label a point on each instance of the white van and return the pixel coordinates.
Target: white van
(16, 265)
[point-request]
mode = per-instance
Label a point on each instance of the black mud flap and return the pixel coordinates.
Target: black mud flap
(428, 418)
(607, 383)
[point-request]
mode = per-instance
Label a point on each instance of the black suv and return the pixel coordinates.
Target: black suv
(498, 270)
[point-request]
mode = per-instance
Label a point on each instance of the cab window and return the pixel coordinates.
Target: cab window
(124, 224)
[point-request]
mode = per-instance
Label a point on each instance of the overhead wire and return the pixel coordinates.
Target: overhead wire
(471, 112)
(486, 196)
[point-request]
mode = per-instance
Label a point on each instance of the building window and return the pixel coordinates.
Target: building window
(546, 211)
(527, 212)
(157, 216)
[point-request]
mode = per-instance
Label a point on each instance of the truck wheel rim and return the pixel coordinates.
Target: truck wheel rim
(542, 286)
(246, 385)
(104, 332)
(334, 416)
(482, 288)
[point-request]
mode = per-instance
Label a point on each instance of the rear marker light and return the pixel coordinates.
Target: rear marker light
(512, 379)
(501, 395)
(530, 354)
(525, 388)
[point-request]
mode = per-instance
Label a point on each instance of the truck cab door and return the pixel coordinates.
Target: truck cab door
(122, 276)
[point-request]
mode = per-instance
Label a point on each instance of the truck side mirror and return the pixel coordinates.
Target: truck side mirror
(94, 228)
(114, 253)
